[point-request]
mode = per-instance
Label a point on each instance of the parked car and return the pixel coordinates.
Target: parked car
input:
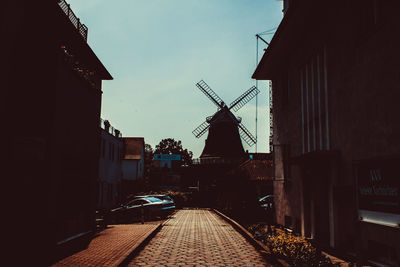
(147, 206)
(168, 202)
(266, 202)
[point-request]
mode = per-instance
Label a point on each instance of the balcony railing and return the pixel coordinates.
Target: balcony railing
(105, 124)
(82, 29)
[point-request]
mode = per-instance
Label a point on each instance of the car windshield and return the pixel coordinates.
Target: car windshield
(164, 197)
(153, 199)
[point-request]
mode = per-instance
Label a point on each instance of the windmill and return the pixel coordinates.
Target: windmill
(225, 130)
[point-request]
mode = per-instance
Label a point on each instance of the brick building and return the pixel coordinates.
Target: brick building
(51, 90)
(334, 68)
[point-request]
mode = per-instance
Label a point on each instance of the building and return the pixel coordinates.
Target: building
(110, 166)
(132, 166)
(334, 68)
(51, 87)
(133, 160)
(260, 172)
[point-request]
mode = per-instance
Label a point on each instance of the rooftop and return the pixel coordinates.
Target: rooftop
(82, 29)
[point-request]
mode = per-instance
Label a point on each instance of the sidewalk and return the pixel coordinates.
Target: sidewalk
(112, 246)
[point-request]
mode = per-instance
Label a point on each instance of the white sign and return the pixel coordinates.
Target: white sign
(167, 157)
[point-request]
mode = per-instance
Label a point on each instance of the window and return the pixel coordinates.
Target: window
(111, 152)
(314, 103)
(137, 202)
(103, 148)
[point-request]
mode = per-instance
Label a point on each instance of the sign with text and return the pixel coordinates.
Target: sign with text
(379, 185)
(167, 156)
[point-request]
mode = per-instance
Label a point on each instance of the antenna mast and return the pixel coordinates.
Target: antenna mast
(271, 31)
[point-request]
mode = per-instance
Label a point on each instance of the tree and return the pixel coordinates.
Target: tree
(170, 146)
(148, 151)
(148, 157)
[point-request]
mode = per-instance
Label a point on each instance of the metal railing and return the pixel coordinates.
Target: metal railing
(214, 160)
(82, 28)
(105, 125)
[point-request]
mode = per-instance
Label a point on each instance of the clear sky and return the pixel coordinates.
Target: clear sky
(157, 50)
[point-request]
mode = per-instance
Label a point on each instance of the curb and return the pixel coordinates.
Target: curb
(263, 250)
(138, 246)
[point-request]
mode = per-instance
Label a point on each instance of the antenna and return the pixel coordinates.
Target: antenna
(270, 31)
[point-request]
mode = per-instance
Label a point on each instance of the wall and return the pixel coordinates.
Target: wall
(110, 170)
(53, 135)
(362, 80)
(130, 169)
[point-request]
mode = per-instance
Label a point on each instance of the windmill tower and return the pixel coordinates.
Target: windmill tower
(225, 130)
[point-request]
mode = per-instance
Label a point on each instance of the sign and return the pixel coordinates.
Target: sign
(167, 156)
(379, 185)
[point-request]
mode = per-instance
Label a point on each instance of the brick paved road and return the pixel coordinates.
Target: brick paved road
(111, 246)
(201, 238)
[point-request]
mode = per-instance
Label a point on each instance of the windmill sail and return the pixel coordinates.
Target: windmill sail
(210, 93)
(201, 129)
(244, 98)
(246, 135)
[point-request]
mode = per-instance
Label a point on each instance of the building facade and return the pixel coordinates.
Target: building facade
(52, 96)
(335, 73)
(110, 166)
(133, 159)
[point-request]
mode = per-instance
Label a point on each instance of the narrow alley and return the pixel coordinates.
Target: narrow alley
(201, 238)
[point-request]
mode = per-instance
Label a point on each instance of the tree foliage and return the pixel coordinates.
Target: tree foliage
(148, 157)
(171, 146)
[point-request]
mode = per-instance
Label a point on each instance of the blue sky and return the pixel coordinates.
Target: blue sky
(157, 50)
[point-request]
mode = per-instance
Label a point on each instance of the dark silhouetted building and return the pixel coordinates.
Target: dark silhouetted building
(334, 67)
(51, 88)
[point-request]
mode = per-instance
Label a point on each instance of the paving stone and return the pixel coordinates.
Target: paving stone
(111, 246)
(198, 238)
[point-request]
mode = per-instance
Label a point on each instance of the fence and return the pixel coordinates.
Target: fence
(82, 29)
(105, 124)
(214, 160)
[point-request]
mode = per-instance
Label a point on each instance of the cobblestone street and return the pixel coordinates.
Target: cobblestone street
(201, 238)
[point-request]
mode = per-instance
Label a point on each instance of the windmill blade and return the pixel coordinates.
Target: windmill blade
(201, 129)
(210, 94)
(246, 135)
(244, 98)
